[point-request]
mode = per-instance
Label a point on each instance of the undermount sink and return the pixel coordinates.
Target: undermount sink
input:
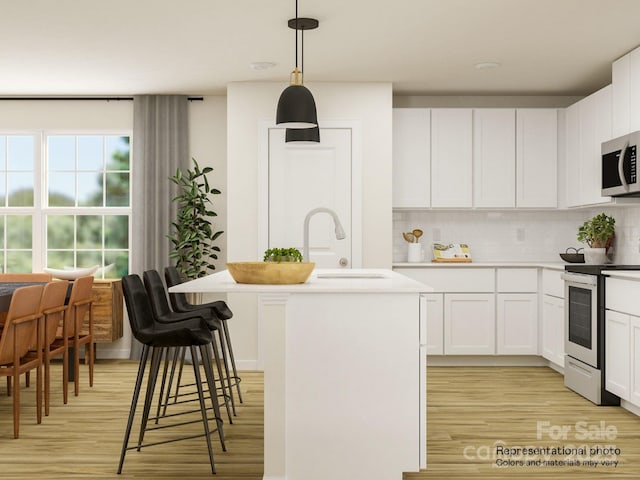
(351, 274)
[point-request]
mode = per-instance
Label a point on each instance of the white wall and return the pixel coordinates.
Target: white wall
(249, 105)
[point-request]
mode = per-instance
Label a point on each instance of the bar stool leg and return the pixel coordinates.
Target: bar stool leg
(156, 357)
(208, 370)
(174, 364)
(203, 408)
(134, 402)
(236, 378)
(163, 383)
(182, 356)
(216, 357)
(225, 363)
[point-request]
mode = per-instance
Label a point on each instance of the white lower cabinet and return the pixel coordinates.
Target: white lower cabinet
(435, 323)
(469, 324)
(634, 374)
(517, 324)
(553, 329)
(617, 361)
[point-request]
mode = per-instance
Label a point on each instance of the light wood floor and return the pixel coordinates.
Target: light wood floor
(469, 411)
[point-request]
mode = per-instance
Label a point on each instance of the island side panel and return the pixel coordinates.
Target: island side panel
(272, 311)
(352, 386)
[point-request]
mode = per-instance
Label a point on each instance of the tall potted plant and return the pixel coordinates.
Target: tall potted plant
(193, 234)
(598, 234)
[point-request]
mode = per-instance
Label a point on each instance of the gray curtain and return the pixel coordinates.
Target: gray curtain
(160, 146)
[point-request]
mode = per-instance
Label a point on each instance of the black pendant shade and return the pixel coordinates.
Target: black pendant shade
(302, 135)
(296, 108)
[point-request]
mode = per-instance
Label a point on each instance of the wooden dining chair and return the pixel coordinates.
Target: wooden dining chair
(20, 330)
(79, 311)
(53, 308)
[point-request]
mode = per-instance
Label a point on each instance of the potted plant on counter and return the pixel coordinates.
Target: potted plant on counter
(597, 233)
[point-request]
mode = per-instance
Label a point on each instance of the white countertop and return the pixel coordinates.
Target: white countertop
(387, 281)
(552, 265)
(624, 274)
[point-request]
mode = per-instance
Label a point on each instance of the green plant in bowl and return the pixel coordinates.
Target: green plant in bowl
(282, 255)
(598, 231)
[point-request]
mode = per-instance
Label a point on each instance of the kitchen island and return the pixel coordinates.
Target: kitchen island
(344, 373)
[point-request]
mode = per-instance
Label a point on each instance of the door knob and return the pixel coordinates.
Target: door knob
(344, 262)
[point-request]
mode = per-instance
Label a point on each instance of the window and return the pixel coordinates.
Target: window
(65, 201)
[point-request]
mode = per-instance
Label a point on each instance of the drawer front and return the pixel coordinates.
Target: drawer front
(552, 283)
(454, 279)
(622, 296)
(517, 280)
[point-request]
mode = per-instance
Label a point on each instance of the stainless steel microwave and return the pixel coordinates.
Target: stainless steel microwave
(619, 168)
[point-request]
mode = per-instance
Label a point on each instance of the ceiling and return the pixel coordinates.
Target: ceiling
(423, 47)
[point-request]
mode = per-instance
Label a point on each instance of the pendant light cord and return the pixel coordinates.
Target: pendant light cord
(296, 34)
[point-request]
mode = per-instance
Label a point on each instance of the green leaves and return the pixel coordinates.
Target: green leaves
(193, 233)
(282, 255)
(598, 231)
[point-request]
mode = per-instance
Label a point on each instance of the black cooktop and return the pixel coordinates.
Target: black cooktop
(596, 269)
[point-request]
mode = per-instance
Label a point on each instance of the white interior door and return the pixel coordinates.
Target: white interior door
(304, 177)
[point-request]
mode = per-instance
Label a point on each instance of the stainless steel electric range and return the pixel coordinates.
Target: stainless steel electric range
(584, 369)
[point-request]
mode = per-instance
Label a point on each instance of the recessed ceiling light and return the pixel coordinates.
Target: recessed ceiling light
(262, 65)
(486, 65)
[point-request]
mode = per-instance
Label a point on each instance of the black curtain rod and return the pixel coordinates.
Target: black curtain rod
(191, 99)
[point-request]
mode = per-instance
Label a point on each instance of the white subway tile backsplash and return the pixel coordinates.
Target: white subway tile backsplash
(537, 236)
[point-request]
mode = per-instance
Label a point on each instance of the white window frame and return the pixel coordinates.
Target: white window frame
(40, 211)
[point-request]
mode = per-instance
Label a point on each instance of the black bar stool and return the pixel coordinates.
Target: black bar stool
(162, 311)
(220, 310)
(156, 337)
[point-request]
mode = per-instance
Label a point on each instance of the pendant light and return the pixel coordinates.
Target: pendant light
(296, 106)
(302, 135)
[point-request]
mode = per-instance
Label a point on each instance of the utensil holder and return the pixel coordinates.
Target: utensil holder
(414, 253)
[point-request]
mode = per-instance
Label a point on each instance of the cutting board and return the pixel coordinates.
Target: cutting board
(452, 260)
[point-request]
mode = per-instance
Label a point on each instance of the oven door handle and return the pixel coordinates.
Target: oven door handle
(580, 279)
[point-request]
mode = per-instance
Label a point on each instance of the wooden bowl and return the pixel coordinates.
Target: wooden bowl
(270, 273)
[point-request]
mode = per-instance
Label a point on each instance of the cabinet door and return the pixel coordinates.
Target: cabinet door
(552, 282)
(620, 79)
(494, 157)
(634, 387)
(634, 90)
(572, 119)
(469, 324)
(435, 323)
(553, 329)
(588, 124)
(617, 353)
(451, 157)
(536, 157)
(517, 280)
(411, 157)
(595, 128)
(517, 324)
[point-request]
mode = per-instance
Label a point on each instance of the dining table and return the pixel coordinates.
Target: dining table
(6, 292)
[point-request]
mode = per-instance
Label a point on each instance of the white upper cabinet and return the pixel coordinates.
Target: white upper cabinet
(625, 78)
(494, 157)
(536, 157)
(588, 124)
(475, 158)
(451, 157)
(411, 157)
